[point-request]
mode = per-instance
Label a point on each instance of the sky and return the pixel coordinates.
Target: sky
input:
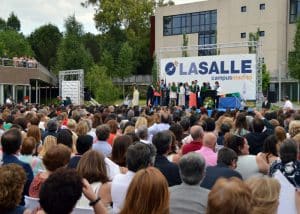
(35, 13)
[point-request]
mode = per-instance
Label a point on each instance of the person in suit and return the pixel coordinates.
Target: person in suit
(227, 159)
(11, 142)
(162, 141)
(266, 105)
(189, 197)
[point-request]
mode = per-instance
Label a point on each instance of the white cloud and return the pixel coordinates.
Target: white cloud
(34, 13)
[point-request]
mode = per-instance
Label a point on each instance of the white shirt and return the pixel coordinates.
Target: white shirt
(288, 105)
(111, 168)
(119, 187)
(8, 101)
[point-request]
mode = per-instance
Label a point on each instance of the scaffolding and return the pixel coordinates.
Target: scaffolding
(72, 75)
(253, 47)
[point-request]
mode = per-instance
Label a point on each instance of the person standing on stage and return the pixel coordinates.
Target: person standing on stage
(173, 94)
(266, 104)
(157, 94)
(150, 94)
(193, 96)
(181, 95)
(203, 90)
(136, 96)
(218, 89)
(197, 91)
(288, 105)
(187, 94)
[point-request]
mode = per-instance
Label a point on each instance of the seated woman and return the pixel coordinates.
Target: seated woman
(265, 194)
(147, 193)
(56, 157)
(92, 167)
(12, 182)
(247, 165)
(269, 152)
(27, 150)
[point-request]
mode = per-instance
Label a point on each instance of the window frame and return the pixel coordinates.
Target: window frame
(243, 9)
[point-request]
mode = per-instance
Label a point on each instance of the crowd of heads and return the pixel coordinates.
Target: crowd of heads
(158, 146)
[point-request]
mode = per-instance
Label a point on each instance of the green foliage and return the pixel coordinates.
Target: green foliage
(265, 78)
(253, 37)
(71, 54)
(124, 65)
(13, 22)
(2, 24)
(44, 42)
(162, 3)
(73, 27)
(91, 43)
(294, 56)
(154, 71)
(108, 61)
(14, 44)
(101, 85)
(185, 43)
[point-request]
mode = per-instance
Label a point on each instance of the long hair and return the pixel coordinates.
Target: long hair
(147, 194)
(269, 147)
(265, 194)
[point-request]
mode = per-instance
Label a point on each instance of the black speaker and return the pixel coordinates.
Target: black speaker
(272, 96)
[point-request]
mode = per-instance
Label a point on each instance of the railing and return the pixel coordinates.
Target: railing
(20, 63)
(137, 79)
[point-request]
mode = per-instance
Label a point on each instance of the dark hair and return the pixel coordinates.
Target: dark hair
(133, 136)
(209, 125)
(56, 157)
(11, 141)
(234, 142)
(64, 136)
(185, 123)
(21, 121)
(241, 122)
(139, 156)
(52, 125)
(177, 130)
(162, 141)
(269, 146)
(102, 132)
(258, 125)
(119, 149)
(84, 143)
(164, 118)
(226, 156)
(288, 151)
(113, 125)
(61, 191)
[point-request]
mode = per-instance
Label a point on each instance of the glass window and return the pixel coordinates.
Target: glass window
(262, 6)
(243, 9)
(243, 35)
(294, 10)
(167, 25)
(261, 33)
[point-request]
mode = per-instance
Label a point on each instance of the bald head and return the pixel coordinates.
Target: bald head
(209, 140)
(197, 133)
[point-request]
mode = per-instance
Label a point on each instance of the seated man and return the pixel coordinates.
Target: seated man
(189, 197)
(11, 142)
(197, 134)
(162, 141)
(208, 149)
(226, 164)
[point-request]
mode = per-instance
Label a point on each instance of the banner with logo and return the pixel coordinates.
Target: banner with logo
(235, 73)
(71, 89)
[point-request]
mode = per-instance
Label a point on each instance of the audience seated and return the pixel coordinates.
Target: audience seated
(227, 162)
(102, 145)
(147, 193)
(197, 134)
(162, 141)
(189, 197)
(208, 149)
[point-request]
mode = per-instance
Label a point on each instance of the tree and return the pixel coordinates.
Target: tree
(265, 78)
(13, 22)
(154, 71)
(294, 56)
(108, 61)
(71, 53)
(124, 65)
(2, 24)
(101, 85)
(162, 3)
(91, 43)
(44, 42)
(14, 44)
(253, 37)
(185, 43)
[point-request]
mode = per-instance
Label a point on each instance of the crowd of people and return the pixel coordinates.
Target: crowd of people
(25, 62)
(150, 160)
(182, 94)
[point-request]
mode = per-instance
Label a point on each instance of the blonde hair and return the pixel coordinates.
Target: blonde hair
(294, 128)
(71, 124)
(141, 122)
(49, 142)
(82, 128)
(265, 194)
(129, 129)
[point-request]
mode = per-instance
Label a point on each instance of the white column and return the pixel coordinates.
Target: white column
(36, 91)
(29, 94)
(1, 95)
(14, 93)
